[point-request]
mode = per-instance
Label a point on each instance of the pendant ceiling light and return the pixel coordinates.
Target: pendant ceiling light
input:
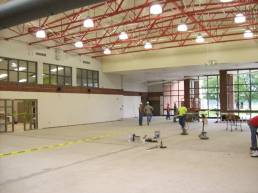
(226, 1)
(182, 27)
(147, 45)
(248, 34)
(107, 51)
(240, 18)
(88, 23)
(199, 39)
(123, 36)
(155, 9)
(78, 44)
(41, 34)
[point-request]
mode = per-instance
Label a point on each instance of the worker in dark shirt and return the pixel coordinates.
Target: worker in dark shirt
(253, 124)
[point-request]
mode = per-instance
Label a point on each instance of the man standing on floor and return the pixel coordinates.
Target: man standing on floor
(175, 113)
(141, 113)
(253, 124)
(168, 112)
(182, 110)
(148, 109)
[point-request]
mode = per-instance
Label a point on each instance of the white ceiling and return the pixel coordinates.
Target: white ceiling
(181, 72)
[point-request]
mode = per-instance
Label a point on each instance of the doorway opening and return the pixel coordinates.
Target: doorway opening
(18, 115)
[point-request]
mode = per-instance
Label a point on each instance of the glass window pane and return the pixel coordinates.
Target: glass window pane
(46, 79)
(254, 88)
(23, 66)
(244, 100)
(84, 77)
(79, 77)
(244, 115)
(13, 65)
(243, 77)
(46, 68)
(203, 82)
(53, 79)
(60, 80)
(254, 101)
(60, 70)
(53, 69)
(68, 71)
(13, 76)
(32, 66)
(23, 77)
(212, 81)
(32, 78)
(3, 75)
(68, 81)
(3, 63)
(243, 88)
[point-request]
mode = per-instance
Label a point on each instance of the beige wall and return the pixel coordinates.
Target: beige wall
(232, 52)
(20, 50)
(61, 109)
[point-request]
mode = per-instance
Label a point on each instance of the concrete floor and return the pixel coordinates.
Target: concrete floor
(112, 165)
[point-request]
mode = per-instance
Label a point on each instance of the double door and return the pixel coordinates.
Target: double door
(18, 115)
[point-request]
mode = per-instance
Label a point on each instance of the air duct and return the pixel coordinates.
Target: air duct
(21, 11)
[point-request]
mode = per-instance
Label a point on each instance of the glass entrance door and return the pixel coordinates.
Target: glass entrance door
(17, 115)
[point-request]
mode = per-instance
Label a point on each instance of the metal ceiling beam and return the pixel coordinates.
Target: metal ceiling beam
(177, 46)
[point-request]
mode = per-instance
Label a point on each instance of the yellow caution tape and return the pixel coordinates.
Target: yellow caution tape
(54, 146)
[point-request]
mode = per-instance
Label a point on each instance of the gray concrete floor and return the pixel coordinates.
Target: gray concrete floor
(112, 165)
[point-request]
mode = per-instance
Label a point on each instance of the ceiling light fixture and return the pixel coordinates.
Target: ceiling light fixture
(123, 36)
(199, 39)
(182, 27)
(23, 80)
(41, 34)
(78, 44)
(147, 45)
(248, 34)
(226, 1)
(240, 18)
(13, 65)
(107, 51)
(20, 69)
(3, 76)
(155, 9)
(88, 23)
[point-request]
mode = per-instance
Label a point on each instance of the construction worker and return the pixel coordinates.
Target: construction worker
(148, 111)
(253, 124)
(182, 110)
(141, 113)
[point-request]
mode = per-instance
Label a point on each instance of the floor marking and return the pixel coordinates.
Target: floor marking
(55, 146)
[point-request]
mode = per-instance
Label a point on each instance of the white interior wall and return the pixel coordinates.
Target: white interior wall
(62, 109)
(130, 106)
(155, 88)
(133, 85)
